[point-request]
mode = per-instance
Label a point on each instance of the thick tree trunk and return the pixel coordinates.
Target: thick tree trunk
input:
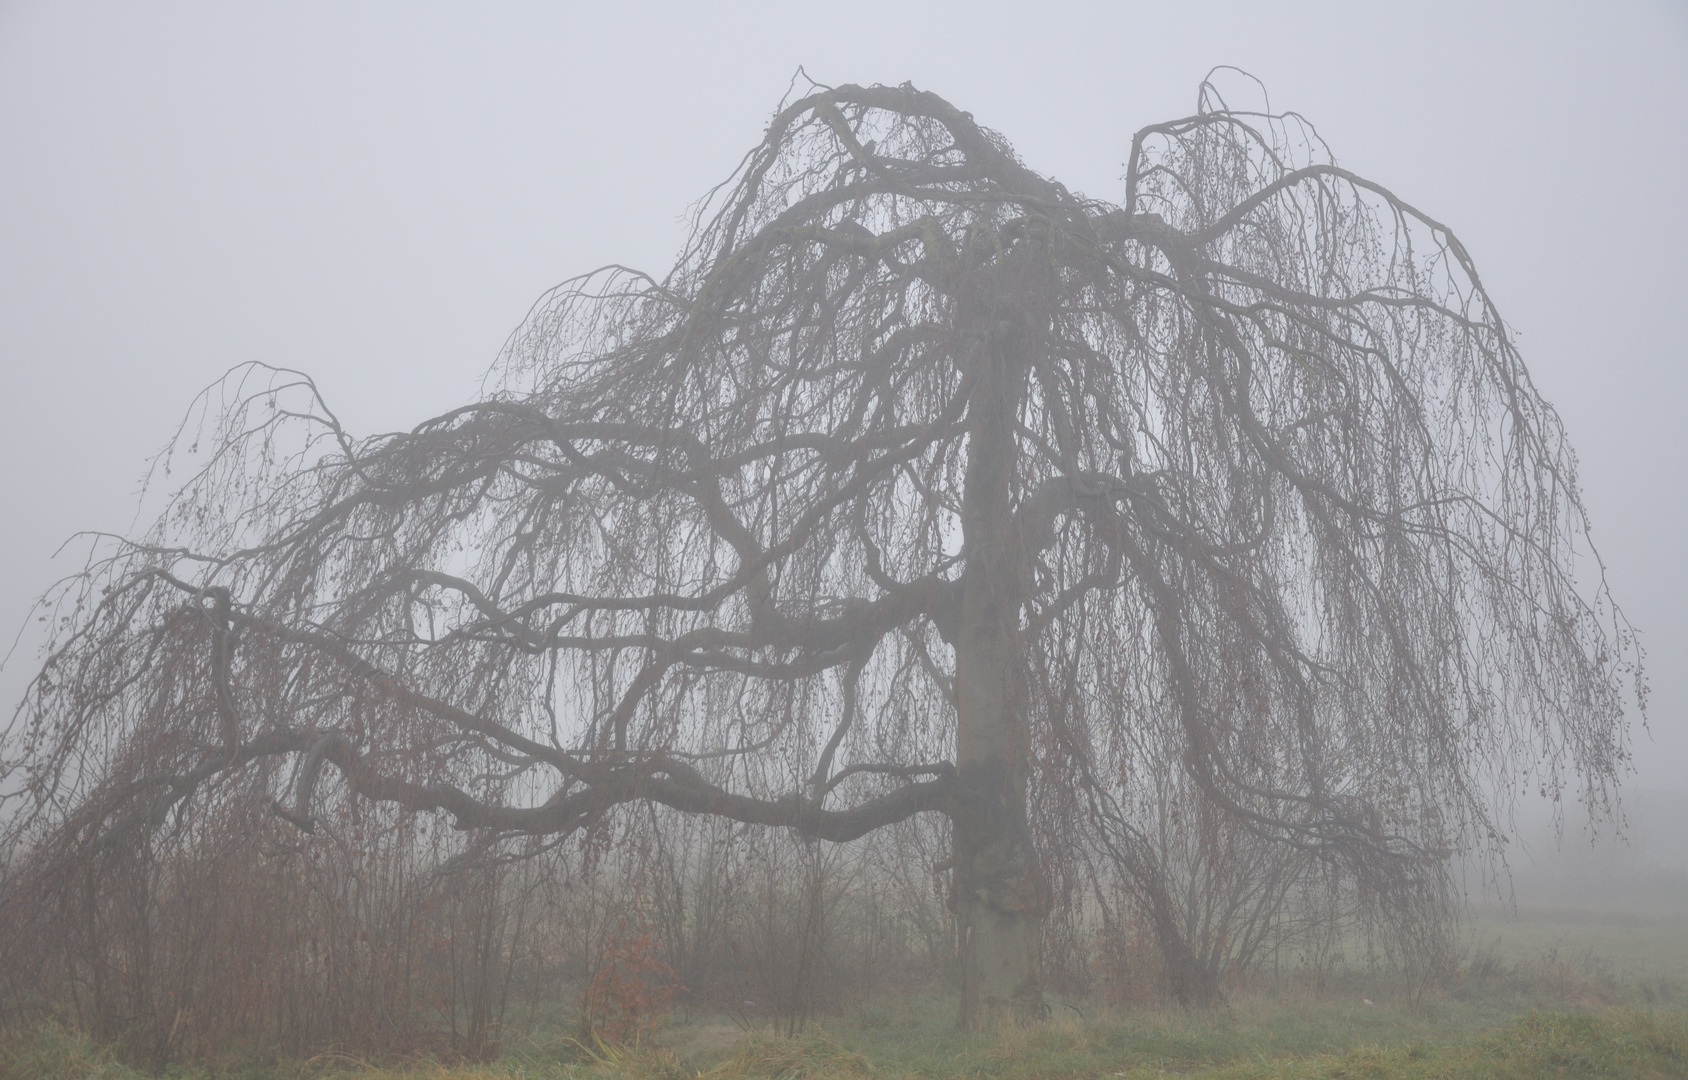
(998, 898)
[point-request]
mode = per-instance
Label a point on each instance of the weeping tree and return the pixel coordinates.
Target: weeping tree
(921, 484)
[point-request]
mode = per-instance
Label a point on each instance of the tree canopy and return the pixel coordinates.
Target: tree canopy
(920, 484)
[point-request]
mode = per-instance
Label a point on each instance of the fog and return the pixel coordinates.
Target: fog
(377, 195)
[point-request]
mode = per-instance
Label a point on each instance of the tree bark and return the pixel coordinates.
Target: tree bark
(999, 897)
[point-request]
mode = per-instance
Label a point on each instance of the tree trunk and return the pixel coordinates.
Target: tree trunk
(999, 898)
(1191, 982)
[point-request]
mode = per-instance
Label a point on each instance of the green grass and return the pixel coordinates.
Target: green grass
(1556, 994)
(1614, 1043)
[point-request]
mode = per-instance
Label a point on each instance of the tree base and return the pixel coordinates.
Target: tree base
(999, 971)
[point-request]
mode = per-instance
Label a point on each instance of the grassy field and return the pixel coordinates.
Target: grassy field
(1561, 992)
(1612, 1043)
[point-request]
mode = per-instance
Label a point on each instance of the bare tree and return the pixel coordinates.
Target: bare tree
(920, 483)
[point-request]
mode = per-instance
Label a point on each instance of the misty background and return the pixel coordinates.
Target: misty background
(376, 193)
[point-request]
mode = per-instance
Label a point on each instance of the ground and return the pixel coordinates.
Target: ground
(1572, 991)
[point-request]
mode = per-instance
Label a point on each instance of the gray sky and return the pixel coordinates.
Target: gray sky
(375, 193)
